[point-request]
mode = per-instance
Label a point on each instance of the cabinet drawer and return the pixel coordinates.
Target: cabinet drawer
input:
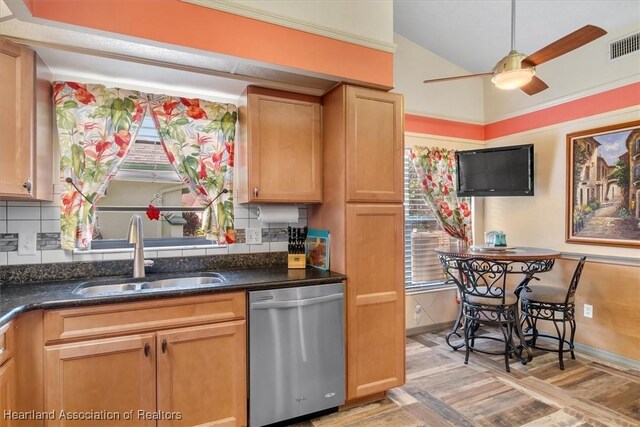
(125, 318)
(6, 342)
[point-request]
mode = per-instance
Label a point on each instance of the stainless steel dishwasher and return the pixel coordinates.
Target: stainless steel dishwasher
(296, 352)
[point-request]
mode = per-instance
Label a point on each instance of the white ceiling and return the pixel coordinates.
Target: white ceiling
(475, 34)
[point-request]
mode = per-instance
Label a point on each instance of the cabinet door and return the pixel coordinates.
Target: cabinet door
(114, 375)
(375, 298)
(202, 375)
(374, 139)
(7, 392)
(16, 103)
(285, 149)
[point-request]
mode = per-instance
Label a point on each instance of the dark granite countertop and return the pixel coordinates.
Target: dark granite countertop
(20, 297)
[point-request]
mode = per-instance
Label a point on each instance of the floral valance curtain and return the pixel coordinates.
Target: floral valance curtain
(98, 125)
(436, 169)
(198, 138)
(96, 128)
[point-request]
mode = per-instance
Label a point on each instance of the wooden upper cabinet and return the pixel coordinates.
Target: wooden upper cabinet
(202, 375)
(375, 298)
(26, 165)
(16, 101)
(374, 145)
(279, 148)
(114, 374)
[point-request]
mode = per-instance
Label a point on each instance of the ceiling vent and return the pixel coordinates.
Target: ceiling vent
(624, 46)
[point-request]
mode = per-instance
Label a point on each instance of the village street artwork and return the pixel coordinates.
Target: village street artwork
(605, 186)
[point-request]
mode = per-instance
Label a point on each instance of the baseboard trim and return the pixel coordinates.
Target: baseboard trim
(598, 355)
(581, 349)
(429, 328)
(607, 356)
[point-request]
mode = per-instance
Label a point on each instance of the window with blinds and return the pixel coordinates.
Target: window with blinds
(422, 235)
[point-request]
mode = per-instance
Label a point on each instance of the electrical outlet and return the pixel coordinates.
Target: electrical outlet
(254, 236)
(26, 243)
(417, 312)
(588, 311)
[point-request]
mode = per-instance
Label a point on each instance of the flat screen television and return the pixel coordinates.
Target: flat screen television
(503, 171)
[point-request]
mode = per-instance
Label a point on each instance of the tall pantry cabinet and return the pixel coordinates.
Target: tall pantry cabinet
(363, 195)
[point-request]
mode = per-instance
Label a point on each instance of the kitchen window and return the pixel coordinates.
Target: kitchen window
(422, 235)
(146, 177)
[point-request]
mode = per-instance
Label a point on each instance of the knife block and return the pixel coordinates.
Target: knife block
(297, 261)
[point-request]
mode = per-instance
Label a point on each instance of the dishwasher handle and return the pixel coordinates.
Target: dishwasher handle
(265, 305)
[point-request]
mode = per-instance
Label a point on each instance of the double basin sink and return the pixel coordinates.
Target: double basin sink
(101, 288)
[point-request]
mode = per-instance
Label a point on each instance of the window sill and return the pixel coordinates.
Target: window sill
(149, 249)
(431, 287)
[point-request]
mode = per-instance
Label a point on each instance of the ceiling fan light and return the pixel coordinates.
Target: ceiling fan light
(513, 79)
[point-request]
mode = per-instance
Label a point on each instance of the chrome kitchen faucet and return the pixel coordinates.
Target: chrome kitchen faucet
(136, 238)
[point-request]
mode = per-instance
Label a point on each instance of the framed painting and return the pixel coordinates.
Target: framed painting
(603, 186)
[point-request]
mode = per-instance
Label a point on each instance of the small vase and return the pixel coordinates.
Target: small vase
(461, 245)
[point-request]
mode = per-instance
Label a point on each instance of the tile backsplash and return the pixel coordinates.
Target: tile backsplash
(43, 220)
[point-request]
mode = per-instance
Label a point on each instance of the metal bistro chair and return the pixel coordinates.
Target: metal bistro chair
(486, 301)
(451, 269)
(554, 304)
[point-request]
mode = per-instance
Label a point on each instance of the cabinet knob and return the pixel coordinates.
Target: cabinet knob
(1, 351)
(255, 191)
(147, 349)
(164, 345)
(27, 185)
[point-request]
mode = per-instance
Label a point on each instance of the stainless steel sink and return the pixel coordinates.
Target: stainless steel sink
(188, 282)
(204, 279)
(96, 289)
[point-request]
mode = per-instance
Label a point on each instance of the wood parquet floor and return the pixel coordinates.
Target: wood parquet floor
(442, 391)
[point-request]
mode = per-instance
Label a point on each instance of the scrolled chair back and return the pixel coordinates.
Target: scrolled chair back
(485, 280)
(453, 271)
(575, 280)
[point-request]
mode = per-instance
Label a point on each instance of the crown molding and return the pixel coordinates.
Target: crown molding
(237, 8)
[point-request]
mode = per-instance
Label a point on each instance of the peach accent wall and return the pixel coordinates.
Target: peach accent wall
(183, 24)
(451, 128)
(603, 102)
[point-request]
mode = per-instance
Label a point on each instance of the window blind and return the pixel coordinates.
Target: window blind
(422, 235)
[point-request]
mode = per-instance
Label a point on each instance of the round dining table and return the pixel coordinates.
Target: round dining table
(525, 261)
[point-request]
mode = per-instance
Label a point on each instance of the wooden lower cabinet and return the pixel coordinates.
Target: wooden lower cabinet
(111, 375)
(375, 298)
(179, 377)
(7, 392)
(202, 375)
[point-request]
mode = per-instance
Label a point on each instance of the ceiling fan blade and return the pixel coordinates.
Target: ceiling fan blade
(445, 79)
(534, 86)
(566, 44)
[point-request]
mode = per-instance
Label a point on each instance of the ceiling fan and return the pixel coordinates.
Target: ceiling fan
(517, 70)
